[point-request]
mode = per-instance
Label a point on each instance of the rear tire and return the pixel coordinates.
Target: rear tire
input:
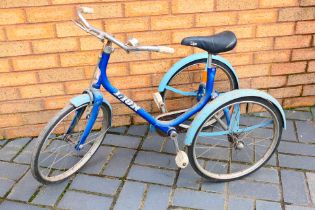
(225, 153)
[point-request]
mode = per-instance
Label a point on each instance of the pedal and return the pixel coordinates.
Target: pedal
(159, 102)
(181, 158)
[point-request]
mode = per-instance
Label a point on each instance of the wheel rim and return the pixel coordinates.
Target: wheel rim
(221, 159)
(58, 158)
(188, 80)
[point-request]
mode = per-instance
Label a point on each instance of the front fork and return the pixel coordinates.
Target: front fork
(98, 99)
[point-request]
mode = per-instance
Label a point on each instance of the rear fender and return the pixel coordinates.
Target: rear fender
(222, 99)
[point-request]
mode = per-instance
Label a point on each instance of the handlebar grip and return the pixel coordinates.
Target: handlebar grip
(164, 49)
(87, 10)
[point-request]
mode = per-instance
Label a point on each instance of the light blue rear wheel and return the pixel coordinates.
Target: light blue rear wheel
(224, 152)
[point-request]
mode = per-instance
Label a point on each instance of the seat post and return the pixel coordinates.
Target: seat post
(209, 62)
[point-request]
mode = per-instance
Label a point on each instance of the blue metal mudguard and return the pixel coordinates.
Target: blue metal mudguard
(85, 98)
(175, 68)
(222, 99)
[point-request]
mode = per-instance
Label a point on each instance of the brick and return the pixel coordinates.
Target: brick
(249, 189)
(4, 65)
(147, 8)
(221, 18)
(12, 171)
(305, 131)
(76, 87)
(107, 10)
(299, 101)
(5, 186)
(155, 193)
(64, 74)
(253, 70)
(267, 82)
(301, 79)
(35, 62)
(12, 148)
(257, 16)
(307, 3)
(189, 179)
(240, 31)
(119, 162)
(138, 130)
(55, 45)
(289, 133)
(24, 3)
(236, 5)
(297, 115)
(152, 37)
(65, 29)
(138, 81)
(311, 183)
(296, 162)
(79, 58)
(70, 1)
(276, 29)
(296, 13)
(9, 120)
(48, 195)
(2, 35)
(55, 102)
(28, 130)
(10, 93)
(77, 200)
(272, 56)
(30, 31)
(286, 92)
(277, 3)
(178, 35)
(258, 44)
(239, 58)
(303, 54)
(14, 48)
(95, 184)
(119, 130)
(297, 41)
(240, 203)
(197, 199)
(298, 148)
(192, 6)
(24, 189)
(294, 187)
(261, 205)
(130, 196)
(19, 206)
(41, 90)
(151, 175)
(288, 68)
(269, 175)
(155, 159)
(305, 27)
(149, 67)
(127, 25)
(20, 78)
(38, 117)
(11, 16)
(309, 90)
(172, 22)
(21, 106)
(46, 14)
(122, 141)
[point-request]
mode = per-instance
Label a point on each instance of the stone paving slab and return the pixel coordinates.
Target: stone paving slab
(134, 168)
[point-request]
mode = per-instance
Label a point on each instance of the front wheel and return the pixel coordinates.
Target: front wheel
(55, 156)
(238, 144)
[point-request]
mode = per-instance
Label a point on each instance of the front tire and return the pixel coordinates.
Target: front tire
(54, 134)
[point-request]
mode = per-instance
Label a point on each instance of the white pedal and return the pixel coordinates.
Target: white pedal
(181, 159)
(159, 102)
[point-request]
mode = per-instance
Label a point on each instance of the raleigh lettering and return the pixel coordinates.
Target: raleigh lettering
(127, 101)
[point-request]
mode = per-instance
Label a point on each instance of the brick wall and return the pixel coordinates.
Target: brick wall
(45, 59)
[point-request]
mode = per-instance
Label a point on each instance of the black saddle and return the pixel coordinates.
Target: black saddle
(214, 44)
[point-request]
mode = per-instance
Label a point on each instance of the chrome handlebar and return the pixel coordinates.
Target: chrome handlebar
(82, 23)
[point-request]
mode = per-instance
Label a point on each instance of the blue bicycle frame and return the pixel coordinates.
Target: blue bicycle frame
(165, 127)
